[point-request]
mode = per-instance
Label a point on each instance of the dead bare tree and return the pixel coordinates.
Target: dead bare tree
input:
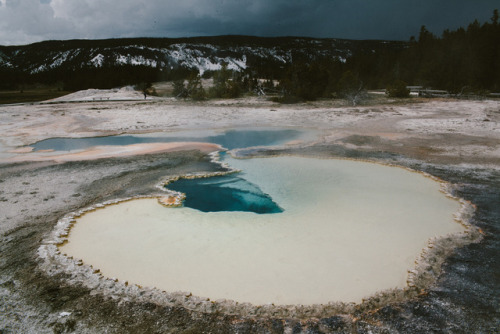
(351, 88)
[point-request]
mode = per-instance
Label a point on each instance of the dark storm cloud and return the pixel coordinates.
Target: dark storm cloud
(23, 21)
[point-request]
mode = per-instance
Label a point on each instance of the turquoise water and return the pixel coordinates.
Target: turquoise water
(230, 139)
(225, 193)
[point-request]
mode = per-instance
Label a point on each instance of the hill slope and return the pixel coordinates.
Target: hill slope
(51, 58)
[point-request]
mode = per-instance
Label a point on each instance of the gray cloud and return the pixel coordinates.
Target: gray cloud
(25, 21)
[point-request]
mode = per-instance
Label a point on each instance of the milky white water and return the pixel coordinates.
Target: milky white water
(348, 230)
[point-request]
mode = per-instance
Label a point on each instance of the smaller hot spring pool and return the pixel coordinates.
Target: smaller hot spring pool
(229, 139)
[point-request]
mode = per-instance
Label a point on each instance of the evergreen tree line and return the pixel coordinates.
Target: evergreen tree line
(461, 59)
(226, 84)
(466, 60)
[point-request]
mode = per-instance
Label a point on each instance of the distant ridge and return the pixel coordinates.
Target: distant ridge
(191, 53)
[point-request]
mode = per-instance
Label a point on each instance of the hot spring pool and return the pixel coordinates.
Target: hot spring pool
(346, 230)
(229, 139)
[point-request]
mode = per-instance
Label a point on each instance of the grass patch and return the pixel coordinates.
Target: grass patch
(30, 95)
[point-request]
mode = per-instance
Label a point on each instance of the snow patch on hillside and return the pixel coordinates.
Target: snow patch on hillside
(97, 60)
(59, 59)
(192, 57)
(4, 60)
(135, 60)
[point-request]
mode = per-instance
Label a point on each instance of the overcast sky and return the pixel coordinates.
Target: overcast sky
(27, 21)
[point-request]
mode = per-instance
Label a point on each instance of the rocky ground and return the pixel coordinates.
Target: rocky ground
(458, 141)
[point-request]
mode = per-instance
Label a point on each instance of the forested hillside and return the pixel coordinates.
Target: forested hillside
(79, 64)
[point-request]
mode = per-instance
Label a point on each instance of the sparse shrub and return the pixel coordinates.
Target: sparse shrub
(194, 87)
(151, 91)
(398, 89)
(199, 94)
(233, 89)
(305, 81)
(179, 89)
(146, 88)
(224, 85)
(286, 99)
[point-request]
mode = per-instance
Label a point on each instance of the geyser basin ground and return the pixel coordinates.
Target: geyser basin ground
(348, 230)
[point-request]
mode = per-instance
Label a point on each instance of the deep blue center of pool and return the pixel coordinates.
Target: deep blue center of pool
(224, 193)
